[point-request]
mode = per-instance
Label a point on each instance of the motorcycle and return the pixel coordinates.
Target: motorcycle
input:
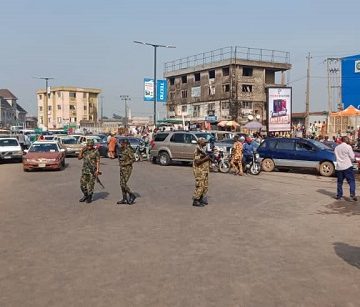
(141, 152)
(253, 165)
(219, 162)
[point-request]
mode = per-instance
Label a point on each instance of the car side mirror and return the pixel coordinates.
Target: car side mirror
(193, 142)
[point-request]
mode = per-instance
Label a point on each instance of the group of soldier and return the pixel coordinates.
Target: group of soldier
(201, 168)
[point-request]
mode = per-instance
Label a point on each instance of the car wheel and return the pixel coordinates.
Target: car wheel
(327, 169)
(268, 165)
(164, 158)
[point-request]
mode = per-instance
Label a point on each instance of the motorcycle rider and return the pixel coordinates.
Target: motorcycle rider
(248, 151)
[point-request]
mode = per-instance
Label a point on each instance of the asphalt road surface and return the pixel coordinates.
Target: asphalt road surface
(276, 239)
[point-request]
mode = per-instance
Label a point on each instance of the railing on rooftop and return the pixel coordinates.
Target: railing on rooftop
(229, 53)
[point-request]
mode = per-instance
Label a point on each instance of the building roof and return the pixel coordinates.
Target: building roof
(20, 108)
(71, 89)
(5, 104)
(6, 94)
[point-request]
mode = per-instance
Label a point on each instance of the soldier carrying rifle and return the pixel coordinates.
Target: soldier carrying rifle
(90, 170)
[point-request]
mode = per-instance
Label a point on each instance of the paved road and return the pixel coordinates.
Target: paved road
(277, 239)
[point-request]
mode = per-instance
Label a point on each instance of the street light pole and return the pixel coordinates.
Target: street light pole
(155, 56)
(125, 98)
(46, 121)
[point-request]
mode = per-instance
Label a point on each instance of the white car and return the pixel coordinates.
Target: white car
(10, 149)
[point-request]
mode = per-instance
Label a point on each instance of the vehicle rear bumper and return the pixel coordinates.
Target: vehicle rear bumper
(9, 157)
(47, 165)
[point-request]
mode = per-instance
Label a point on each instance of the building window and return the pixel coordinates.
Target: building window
(211, 90)
(212, 74)
(172, 81)
(73, 119)
(226, 71)
(246, 105)
(40, 108)
(84, 95)
(72, 94)
(247, 88)
(171, 95)
(59, 94)
(40, 97)
(59, 120)
(225, 105)
(197, 76)
(85, 108)
(211, 107)
(184, 79)
(49, 120)
(49, 108)
(184, 94)
(59, 107)
(196, 112)
(247, 71)
(226, 88)
(41, 120)
(72, 107)
(183, 109)
(171, 108)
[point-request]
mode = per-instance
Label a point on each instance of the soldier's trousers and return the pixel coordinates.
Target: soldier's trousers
(201, 184)
(125, 173)
(87, 183)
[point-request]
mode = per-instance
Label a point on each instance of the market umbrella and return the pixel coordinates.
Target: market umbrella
(253, 125)
(228, 123)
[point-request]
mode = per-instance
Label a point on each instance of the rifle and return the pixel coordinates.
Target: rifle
(93, 172)
(206, 154)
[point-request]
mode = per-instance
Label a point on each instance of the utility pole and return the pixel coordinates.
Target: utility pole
(125, 98)
(307, 103)
(47, 94)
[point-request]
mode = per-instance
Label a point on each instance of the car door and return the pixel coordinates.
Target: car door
(306, 154)
(284, 153)
(189, 146)
(177, 142)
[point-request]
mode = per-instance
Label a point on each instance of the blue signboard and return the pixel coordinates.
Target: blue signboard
(350, 81)
(161, 90)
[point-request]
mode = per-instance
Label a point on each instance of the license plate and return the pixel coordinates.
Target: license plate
(42, 165)
(7, 157)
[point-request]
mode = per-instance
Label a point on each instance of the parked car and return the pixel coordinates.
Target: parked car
(175, 146)
(297, 153)
(71, 145)
(83, 139)
(44, 155)
(10, 149)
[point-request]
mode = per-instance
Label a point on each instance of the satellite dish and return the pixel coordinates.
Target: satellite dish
(250, 117)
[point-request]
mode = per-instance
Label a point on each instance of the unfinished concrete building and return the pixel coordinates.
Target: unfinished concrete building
(224, 84)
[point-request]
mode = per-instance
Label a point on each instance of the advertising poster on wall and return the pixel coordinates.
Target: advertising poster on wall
(148, 89)
(279, 109)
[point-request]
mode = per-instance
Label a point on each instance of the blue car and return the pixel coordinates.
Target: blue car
(296, 153)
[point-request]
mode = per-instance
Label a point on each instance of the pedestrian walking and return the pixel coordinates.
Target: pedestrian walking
(344, 168)
(126, 160)
(201, 169)
(90, 170)
(21, 139)
(237, 156)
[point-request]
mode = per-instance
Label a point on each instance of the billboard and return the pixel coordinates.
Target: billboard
(279, 102)
(350, 81)
(161, 90)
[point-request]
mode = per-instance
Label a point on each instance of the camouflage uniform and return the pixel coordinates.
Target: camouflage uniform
(201, 174)
(87, 180)
(126, 161)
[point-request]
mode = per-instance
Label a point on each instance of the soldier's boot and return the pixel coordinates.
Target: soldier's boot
(203, 200)
(124, 200)
(84, 198)
(197, 203)
(132, 198)
(89, 199)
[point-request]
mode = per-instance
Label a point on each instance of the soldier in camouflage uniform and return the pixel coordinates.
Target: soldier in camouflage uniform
(91, 163)
(201, 168)
(126, 160)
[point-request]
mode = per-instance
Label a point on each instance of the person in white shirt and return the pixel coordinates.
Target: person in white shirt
(344, 168)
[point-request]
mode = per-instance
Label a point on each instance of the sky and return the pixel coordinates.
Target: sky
(88, 43)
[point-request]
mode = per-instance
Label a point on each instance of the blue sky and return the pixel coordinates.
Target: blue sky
(90, 43)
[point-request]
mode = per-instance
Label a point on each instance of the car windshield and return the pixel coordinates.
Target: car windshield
(43, 148)
(8, 142)
(96, 139)
(206, 136)
(227, 141)
(318, 144)
(69, 141)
